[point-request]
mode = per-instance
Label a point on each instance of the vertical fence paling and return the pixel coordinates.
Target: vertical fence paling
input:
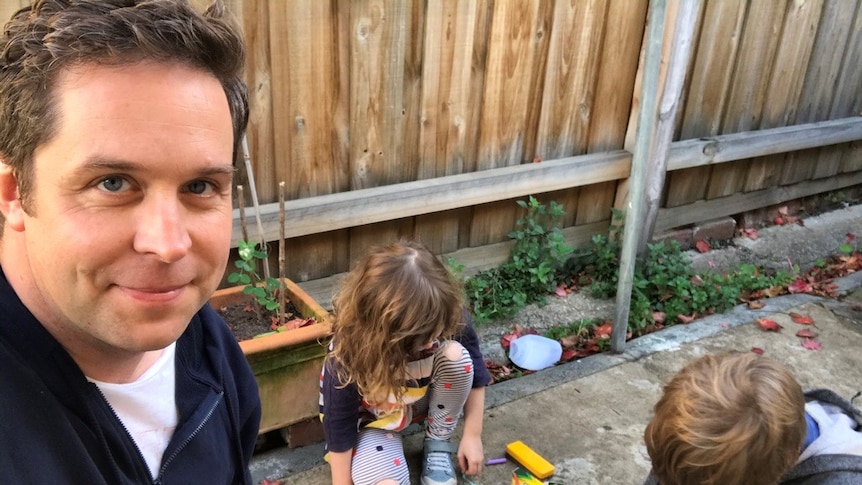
(640, 159)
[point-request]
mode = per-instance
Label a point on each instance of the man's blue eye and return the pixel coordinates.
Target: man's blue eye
(113, 184)
(198, 187)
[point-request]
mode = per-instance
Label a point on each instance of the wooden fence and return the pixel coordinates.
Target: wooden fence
(391, 118)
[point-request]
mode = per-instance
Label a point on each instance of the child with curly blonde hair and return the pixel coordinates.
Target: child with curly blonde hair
(403, 348)
(741, 418)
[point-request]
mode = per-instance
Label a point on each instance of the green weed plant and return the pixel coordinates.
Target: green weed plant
(531, 271)
(665, 282)
(264, 290)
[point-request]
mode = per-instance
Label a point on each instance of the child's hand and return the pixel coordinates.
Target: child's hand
(471, 455)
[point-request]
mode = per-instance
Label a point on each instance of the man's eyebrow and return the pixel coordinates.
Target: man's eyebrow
(103, 164)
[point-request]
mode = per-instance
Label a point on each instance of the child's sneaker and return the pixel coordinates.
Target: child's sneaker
(437, 467)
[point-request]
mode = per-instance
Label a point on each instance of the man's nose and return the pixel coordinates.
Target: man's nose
(162, 229)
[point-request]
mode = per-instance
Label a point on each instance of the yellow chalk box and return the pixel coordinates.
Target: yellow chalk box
(529, 459)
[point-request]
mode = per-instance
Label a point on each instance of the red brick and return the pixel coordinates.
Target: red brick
(715, 230)
(303, 433)
(682, 236)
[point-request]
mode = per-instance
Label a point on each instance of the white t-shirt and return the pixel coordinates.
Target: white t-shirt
(839, 433)
(147, 407)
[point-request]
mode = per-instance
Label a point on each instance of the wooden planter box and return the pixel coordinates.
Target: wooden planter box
(287, 364)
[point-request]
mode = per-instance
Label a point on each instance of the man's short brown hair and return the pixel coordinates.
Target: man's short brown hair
(39, 42)
(727, 419)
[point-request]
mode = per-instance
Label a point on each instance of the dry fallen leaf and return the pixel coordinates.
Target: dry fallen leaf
(801, 319)
(812, 344)
(686, 318)
(702, 246)
(806, 333)
(757, 350)
(561, 290)
(756, 304)
(768, 325)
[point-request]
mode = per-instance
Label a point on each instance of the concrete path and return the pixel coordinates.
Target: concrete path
(587, 417)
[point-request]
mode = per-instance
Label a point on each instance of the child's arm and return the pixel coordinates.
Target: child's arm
(340, 463)
(471, 455)
(339, 408)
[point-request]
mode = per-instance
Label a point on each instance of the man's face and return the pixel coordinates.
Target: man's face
(128, 229)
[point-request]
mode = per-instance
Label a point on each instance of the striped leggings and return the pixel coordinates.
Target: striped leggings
(379, 454)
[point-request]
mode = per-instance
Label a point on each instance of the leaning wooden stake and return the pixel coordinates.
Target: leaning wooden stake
(683, 41)
(640, 158)
(248, 170)
(240, 195)
(282, 297)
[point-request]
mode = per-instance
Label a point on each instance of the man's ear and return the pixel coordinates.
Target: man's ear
(10, 202)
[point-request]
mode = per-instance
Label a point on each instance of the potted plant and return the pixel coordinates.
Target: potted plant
(285, 363)
(287, 355)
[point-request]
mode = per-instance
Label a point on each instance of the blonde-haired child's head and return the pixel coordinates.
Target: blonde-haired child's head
(397, 299)
(735, 418)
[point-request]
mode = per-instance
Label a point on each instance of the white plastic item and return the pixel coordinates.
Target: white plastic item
(534, 352)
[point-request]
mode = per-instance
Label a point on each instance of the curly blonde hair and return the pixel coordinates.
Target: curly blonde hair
(733, 418)
(396, 299)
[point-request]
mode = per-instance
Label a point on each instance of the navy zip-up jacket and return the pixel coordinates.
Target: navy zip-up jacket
(56, 427)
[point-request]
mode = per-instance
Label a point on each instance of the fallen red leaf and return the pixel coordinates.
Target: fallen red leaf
(801, 319)
(299, 323)
(537, 159)
(778, 221)
(812, 344)
(270, 482)
(561, 290)
(750, 233)
(782, 210)
(604, 330)
(658, 317)
(702, 246)
(506, 339)
(757, 350)
(799, 286)
(806, 333)
(568, 355)
(850, 237)
(498, 372)
(768, 325)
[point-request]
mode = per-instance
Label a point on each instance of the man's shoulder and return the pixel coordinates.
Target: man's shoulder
(828, 396)
(830, 469)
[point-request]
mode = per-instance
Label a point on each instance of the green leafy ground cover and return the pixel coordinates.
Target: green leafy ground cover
(666, 290)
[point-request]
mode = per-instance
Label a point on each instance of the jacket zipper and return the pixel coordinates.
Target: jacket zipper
(204, 421)
(122, 425)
